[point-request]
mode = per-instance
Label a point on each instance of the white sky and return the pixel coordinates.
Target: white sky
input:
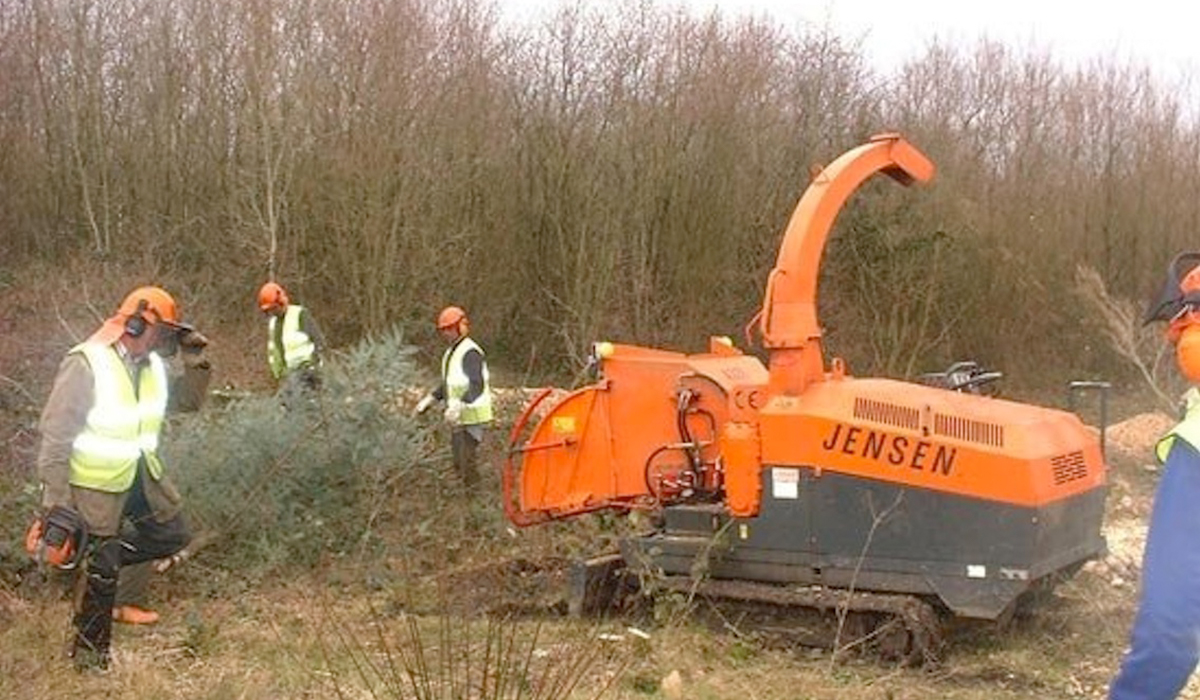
(1159, 33)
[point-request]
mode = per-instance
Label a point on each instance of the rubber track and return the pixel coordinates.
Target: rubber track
(918, 617)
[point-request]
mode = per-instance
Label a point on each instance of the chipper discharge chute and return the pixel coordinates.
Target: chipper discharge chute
(795, 488)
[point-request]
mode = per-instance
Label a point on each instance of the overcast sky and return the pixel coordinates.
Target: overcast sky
(1160, 33)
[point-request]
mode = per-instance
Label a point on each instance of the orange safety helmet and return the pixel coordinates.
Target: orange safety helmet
(144, 306)
(271, 295)
(152, 304)
(450, 317)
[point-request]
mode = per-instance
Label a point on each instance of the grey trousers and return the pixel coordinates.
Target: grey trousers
(132, 583)
(464, 447)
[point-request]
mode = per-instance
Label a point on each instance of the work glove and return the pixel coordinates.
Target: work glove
(191, 345)
(192, 341)
(423, 405)
(453, 412)
(192, 361)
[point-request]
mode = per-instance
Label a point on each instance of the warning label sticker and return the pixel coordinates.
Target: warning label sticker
(785, 483)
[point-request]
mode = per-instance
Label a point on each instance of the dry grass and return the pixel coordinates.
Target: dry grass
(281, 642)
(270, 646)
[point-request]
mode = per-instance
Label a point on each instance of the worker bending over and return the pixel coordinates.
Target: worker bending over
(465, 390)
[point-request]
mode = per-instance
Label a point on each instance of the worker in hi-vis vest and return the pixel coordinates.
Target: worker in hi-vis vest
(107, 502)
(1165, 642)
(294, 344)
(465, 389)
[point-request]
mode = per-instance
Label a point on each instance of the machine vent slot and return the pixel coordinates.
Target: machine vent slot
(1068, 467)
(968, 429)
(887, 413)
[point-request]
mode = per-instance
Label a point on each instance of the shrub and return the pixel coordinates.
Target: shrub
(276, 485)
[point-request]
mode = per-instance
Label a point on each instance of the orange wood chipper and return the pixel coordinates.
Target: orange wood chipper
(796, 487)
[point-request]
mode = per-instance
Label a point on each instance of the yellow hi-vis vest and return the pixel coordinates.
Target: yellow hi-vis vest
(122, 424)
(457, 383)
(1187, 430)
(298, 348)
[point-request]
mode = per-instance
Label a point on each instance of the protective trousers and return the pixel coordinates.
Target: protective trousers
(299, 387)
(1165, 642)
(146, 540)
(464, 444)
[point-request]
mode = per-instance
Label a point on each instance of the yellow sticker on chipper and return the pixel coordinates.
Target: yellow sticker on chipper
(563, 424)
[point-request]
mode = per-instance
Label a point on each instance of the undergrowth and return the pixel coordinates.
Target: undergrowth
(296, 486)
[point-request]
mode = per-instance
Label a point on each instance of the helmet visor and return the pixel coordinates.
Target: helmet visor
(1172, 300)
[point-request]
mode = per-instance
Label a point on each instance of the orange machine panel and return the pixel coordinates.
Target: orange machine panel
(573, 462)
(933, 438)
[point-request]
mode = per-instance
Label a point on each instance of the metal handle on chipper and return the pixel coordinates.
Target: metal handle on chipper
(1078, 387)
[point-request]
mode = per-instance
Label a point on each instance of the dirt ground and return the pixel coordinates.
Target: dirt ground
(1130, 451)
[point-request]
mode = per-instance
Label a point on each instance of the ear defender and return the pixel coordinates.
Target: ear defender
(1187, 352)
(135, 325)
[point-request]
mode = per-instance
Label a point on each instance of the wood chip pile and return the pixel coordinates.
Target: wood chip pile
(1135, 438)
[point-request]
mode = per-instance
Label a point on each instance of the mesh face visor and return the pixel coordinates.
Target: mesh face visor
(1180, 292)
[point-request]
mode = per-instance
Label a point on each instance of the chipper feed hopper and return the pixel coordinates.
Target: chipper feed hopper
(795, 488)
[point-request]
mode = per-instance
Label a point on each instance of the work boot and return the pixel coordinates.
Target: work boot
(85, 657)
(90, 661)
(133, 615)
